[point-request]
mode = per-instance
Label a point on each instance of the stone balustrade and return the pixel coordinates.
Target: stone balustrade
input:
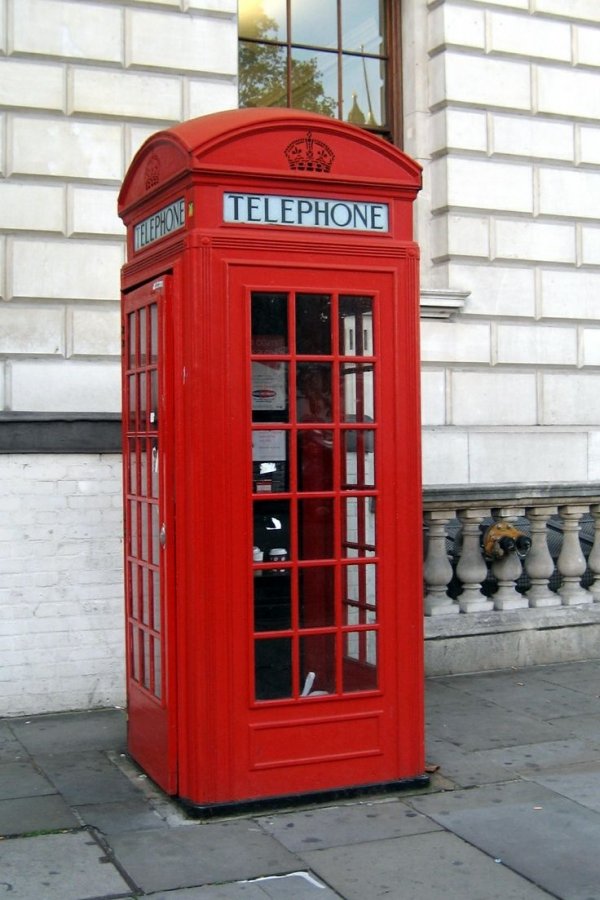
(558, 570)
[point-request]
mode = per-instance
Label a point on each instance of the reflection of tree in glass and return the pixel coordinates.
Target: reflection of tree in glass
(263, 73)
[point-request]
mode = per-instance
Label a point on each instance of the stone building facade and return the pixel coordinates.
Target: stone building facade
(501, 106)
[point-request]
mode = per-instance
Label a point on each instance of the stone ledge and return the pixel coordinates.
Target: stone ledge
(469, 624)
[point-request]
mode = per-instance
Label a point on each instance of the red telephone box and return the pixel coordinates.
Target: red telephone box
(272, 459)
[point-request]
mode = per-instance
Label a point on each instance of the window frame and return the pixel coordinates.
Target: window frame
(392, 57)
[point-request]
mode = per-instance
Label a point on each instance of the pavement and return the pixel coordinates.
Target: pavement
(512, 812)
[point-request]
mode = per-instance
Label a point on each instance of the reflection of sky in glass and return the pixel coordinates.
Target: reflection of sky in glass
(250, 10)
(326, 74)
(314, 22)
(362, 25)
(364, 77)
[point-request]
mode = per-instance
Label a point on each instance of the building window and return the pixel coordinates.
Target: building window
(335, 57)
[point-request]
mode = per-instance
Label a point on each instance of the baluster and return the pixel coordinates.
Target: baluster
(471, 568)
(571, 561)
(437, 569)
(539, 564)
(594, 557)
(508, 568)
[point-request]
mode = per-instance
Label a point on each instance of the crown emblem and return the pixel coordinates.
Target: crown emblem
(308, 154)
(152, 172)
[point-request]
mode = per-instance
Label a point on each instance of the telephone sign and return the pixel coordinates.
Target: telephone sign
(271, 447)
(310, 212)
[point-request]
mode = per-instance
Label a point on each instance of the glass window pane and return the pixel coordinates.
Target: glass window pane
(315, 527)
(262, 75)
(142, 424)
(360, 661)
(269, 461)
(357, 392)
(358, 522)
(135, 653)
(262, 19)
(315, 81)
(146, 582)
(154, 467)
(272, 527)
(154, 333)
(154, 536)
(132, 359)
(143, 460)
(356, 326)
(360, 592)
(314, 392)
(156, 617)
(317, 664)
(358, 463)
(272, 600)
(273, 668)
(144, 531)
(132, 401)
(363, 26)
(269, 391)
(157, 668)
(314, 22)
(313, 324)
(315, 460)
(143, 337)
(317, 597)
(269, 324)
(133, 529)
(132, 485)
(146, 661)
(134, 588)
(153, 418)
(363, 81)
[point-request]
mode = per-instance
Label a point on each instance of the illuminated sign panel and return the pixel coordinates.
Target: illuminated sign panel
(306, 212)
(161, 223)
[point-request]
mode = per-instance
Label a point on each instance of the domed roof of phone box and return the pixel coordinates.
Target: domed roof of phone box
(277, 142)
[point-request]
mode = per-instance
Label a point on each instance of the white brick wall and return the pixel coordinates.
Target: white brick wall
(61, 594)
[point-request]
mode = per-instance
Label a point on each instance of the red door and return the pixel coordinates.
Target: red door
(328, 692)
(149, 537)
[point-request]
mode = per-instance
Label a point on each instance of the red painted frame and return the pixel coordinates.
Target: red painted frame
(213, 743)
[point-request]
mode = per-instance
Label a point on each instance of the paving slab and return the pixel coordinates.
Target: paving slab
(530, 758)
(587, 727)
(58, 867)
(165, 859)
(103, 729)
(10, 748)
(295, 886)
(134, 814)
(581, 676)
(528, 693)
(463, 768)
(453, 716)
(26, 814)
(548, 839)
(86, 777)
(22, 779)
(347, 824)
(434, 866)
(578, 783)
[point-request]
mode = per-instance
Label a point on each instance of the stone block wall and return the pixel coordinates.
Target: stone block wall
(82, 85)
(508, 130)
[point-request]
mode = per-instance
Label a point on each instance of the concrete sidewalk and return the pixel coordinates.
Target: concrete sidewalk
(512, 814)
